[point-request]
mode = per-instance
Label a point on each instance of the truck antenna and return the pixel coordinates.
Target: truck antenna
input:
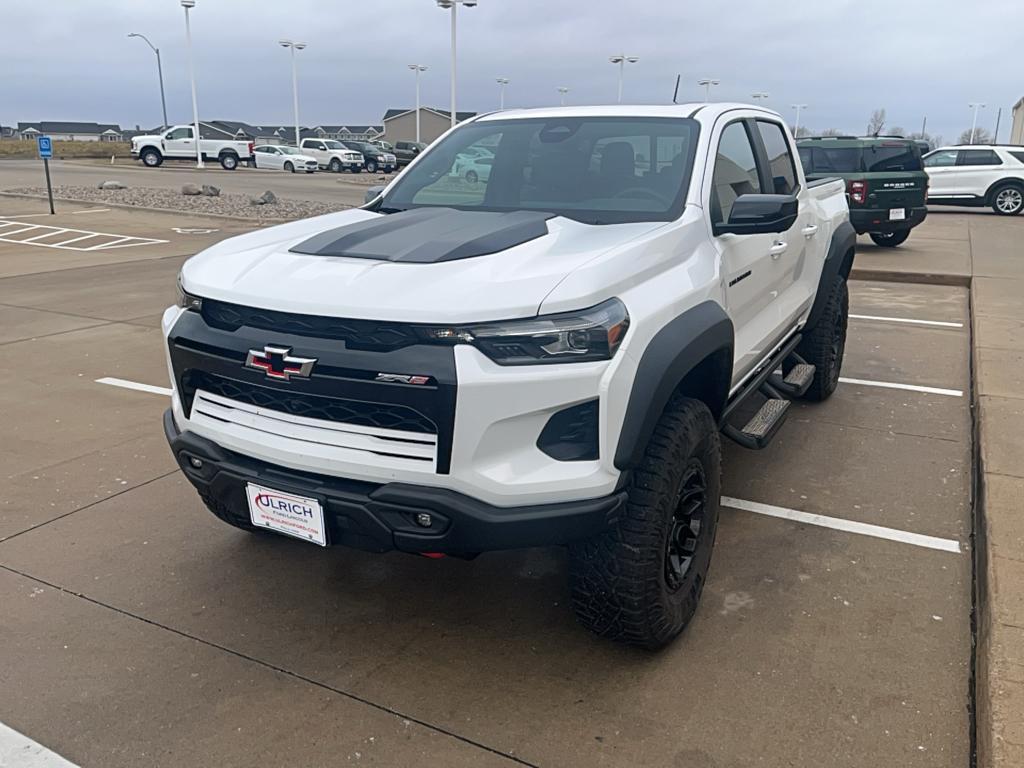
(675, 93)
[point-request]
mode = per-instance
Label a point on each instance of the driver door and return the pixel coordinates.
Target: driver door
(180, 142)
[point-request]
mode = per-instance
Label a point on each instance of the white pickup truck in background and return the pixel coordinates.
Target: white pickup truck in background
(333, 155)
(547, 355)
(178, 143)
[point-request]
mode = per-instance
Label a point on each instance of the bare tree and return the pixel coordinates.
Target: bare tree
(831, 132)
(981, 136)
(929, 139)
(799, 133)
(897, 131)
(877, 122)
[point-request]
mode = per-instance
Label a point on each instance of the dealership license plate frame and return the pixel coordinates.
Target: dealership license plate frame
(897, 214)
(284, 518)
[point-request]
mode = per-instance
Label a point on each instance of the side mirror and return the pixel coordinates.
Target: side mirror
(760, 214)
(372, 193)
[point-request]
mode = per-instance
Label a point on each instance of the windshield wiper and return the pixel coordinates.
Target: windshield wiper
(390, 209)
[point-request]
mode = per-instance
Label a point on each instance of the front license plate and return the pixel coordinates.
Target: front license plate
(897, 214)
(287, 513)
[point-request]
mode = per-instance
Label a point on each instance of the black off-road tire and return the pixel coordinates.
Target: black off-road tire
(223, 512)
(889, 239)
(823, 345)
(623, 584)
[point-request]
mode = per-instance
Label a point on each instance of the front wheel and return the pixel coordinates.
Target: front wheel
(151, 158)
(889, 239)
(229, 162)
(289, 167)
(335, 166)
(640, 581)
(371, 167)
(1008, 200)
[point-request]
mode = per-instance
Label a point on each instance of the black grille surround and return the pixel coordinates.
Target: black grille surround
(342, 386)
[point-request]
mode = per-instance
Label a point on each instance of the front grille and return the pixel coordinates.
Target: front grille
(357, 334)
(380, 415)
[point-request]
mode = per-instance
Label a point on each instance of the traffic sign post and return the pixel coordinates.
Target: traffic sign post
(45, 146)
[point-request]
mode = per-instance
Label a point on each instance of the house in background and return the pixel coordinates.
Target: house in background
(345, 132)
(7, 132)
(69, 131)
(400, 124)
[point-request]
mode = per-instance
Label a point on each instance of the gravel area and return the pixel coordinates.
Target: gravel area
(172, 199)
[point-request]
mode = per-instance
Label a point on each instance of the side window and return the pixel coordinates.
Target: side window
(1018, 155)
(735, 172)
(180, 133)
(941, 159)
(780, 157)
(979, 157)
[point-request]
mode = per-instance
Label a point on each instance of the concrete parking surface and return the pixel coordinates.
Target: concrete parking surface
(835, 629)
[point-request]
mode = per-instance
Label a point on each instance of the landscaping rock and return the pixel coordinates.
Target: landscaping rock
(191, 189)
(267, 198)
(211, 191)
(111, 185)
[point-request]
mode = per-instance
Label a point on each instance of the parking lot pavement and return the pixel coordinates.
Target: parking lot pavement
(139, 628)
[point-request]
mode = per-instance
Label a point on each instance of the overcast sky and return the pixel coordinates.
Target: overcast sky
(71, 59)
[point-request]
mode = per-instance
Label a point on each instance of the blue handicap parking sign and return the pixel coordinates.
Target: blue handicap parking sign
(45, 147)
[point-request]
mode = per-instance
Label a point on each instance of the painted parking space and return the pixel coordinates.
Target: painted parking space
(66, 238)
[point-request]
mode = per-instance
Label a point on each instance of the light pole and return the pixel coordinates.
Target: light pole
(159, 71)
(799, 108)
(417, 68)
(759, 96)
(707, 82)
(563, 90)
(295, 46)
(187, 4)
(453, 5)
(502, 82)
(621, 60)
(974, 122)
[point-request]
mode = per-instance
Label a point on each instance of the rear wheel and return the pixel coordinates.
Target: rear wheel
(890, 239)
(289, 167)
(229, 161)
(823, 346)
(1008, 200)
(640, 581)
(335, 166)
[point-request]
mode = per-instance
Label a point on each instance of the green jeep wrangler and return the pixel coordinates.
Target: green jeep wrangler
(886, 185)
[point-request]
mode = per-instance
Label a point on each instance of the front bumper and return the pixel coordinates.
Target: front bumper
(382, 517)
(877, 219)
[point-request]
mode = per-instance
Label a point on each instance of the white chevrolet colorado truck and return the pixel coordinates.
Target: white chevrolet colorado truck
(547, 356)
(178, 143)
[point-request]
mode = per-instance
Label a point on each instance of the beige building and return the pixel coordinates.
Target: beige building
(1017, 124)
(400, 124)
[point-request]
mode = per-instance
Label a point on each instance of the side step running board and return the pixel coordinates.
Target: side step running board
(762, 426)
(797, 381)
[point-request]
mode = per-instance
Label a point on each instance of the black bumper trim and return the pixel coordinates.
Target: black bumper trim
(863, 219)
(382, 517)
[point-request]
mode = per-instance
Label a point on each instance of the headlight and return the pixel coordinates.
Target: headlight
(187, 300)
(569, 337)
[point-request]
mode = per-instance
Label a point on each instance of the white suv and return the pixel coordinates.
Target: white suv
(977, 175)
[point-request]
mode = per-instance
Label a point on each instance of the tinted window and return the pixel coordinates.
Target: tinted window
(825, 159)
(598, 170)
(735, 172)
(892, 157)
(780, 157)
(979, 157)
(180, 133)
(941, 159)
(1018, 155)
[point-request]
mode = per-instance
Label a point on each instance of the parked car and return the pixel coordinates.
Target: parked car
(282, 158)
(407, 151)
(374, 159)
(453, 370)
(383, 146)
(473, 167)
(885, 182)
(977, 175)
(178, 143)
(333, 155)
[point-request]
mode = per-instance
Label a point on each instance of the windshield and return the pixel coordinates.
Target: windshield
(334, 145)
(599, 170)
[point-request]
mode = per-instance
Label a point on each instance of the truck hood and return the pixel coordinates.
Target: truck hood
(264, 269)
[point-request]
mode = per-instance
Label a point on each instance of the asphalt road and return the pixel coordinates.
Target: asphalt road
(324, 187)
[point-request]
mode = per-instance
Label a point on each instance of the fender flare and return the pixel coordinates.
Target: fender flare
(1011, 181)
(154, 147)
(838, 261)
(676, 350)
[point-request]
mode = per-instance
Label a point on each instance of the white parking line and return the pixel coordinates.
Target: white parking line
(909, 387)
(135, 385)
(40, 231)
(19, 751)
(839, 524)
(91, 210)
(936, 323)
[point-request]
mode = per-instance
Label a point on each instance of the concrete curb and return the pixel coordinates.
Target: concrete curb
(897, 276)
(224, 216)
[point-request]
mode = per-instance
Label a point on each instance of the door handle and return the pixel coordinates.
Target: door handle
(778, 248)
(809, 231)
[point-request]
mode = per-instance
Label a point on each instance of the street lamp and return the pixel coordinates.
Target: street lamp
(417, 68)
(974, 122)
(159, 71)
(453, 5)
(621, 60)
(502, 81)
(187, 4)
(563, 90)
(707, 82)
(295, 46)
(796, 128)
(759, 96)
